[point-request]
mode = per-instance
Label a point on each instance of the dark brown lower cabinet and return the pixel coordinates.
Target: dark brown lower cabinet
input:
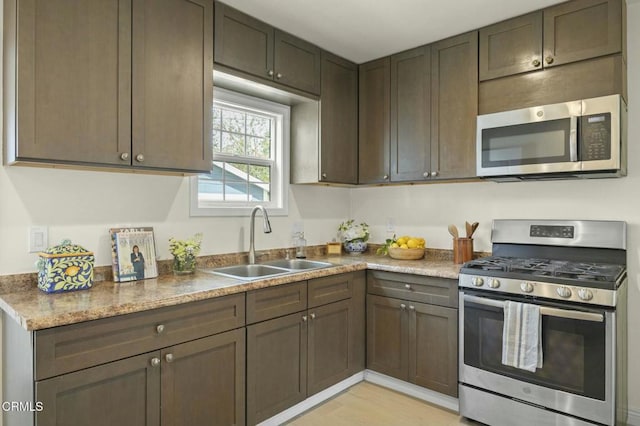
(415, 342)
(200, 382)
(125, 392)
(276, 365)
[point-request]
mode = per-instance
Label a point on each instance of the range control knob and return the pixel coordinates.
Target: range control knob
(585, 294)
(494, 283)
(526, 287)
(477, 281)
(564, 292)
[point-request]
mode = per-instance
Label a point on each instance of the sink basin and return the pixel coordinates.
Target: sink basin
(248, 272)
(298, 264)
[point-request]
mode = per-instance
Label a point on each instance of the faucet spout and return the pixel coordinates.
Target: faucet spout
(266, 227)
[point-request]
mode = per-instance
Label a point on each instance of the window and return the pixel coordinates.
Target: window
(250, 158)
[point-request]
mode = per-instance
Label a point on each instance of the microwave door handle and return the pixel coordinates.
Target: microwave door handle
(573, 138)
(551, 312)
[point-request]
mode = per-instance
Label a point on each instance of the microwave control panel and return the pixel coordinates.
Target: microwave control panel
(595, 137)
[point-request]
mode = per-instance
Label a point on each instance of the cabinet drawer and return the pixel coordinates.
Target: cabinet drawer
(276, 301)
(330, 289)
(63, 349)
(418, 288)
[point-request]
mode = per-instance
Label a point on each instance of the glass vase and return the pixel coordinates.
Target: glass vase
(184, 266)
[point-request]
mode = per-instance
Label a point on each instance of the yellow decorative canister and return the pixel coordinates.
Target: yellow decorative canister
(65, 267)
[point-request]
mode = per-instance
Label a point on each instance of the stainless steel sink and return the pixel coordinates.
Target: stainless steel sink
(298, 264)
(248, 272)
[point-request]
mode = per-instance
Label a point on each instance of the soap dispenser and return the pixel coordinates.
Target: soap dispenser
(301, 244)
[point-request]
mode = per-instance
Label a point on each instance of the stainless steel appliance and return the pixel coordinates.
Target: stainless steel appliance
(575, 271)
(585, 138)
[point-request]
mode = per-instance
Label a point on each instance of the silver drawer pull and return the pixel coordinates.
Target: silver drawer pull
(168, 357)
(551, 312)
(407, 286)
(403, 306)
(160, 328)
(155, 361)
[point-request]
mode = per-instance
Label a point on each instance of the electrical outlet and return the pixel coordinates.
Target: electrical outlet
(38, 239)
(391, 225)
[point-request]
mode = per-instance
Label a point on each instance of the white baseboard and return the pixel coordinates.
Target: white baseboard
(634, 417)
(412, 390)
(312, 401)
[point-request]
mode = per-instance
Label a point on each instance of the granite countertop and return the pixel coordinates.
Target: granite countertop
(34, 309)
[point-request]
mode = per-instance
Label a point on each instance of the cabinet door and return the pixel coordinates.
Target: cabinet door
(433, 347)
(338, 120)
(276, 366)
(125, 392)
(388, 336)
(332, 337)
(203, 381)
(411, 114)
(73, 81)
(511, 47)
(454, 107)
(172, 84)
(296, 63)
(582, 29)
(243, 42)
(373, 122)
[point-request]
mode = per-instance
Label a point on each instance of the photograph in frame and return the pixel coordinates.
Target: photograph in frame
(133, 254)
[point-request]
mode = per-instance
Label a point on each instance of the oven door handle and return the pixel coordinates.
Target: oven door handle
(551, 312)
(573, 138)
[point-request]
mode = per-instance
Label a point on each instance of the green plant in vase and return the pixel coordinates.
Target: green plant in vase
(185, 253)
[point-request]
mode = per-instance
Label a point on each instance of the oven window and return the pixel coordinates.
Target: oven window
(573, 351)
(531, 143)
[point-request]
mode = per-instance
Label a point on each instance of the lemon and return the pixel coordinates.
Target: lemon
(404, 246)
(412, 243)
(395, 245)
(402, 240)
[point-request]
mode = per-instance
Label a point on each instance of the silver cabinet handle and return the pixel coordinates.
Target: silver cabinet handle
(155, 361)
(139, 158)
(304, 318)
(313, 316)
(270, 73)
(160, 328)
(324, 176)
(385, 177)
(413, 308)
(549, 59)
(278, 76)
(124, 156)
(535, 63)
(407, 286)
(168, 357)
(434, 174)
(403, 306)
(426, 174)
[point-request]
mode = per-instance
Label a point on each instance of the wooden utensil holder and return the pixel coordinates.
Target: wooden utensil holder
(462, 250)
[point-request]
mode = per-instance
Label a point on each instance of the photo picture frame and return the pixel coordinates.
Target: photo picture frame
(133, 254)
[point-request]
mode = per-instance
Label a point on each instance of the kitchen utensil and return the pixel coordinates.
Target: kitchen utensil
(467, 227)
(474, 226)
(453, 231)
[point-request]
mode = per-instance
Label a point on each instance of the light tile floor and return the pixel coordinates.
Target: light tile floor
(372, 405)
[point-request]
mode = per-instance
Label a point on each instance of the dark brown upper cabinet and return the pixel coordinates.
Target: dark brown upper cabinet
(127, 83)
(511, 47)
(373, 121)
(411, 115)
(582, 29)
(569, 32)
(253, 47)
(339, 120)
(454, 107)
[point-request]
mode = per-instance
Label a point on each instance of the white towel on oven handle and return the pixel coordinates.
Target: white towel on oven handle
(522, 336)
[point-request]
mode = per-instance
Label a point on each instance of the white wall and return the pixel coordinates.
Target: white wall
(427, 209)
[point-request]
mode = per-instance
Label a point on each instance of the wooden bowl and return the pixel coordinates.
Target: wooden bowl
(406, 254)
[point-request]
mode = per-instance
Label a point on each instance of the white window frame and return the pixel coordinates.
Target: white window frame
(279, 202)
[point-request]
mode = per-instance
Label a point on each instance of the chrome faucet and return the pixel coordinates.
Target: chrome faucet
(252, 233)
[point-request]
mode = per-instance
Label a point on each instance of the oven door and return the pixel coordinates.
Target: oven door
(578, 352)
(529, 141)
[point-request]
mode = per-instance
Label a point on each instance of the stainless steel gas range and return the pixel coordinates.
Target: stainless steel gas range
(574, 273)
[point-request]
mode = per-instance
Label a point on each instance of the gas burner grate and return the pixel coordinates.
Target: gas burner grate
(591, 271)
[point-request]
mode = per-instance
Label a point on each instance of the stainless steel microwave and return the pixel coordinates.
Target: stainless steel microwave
(579, 139)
